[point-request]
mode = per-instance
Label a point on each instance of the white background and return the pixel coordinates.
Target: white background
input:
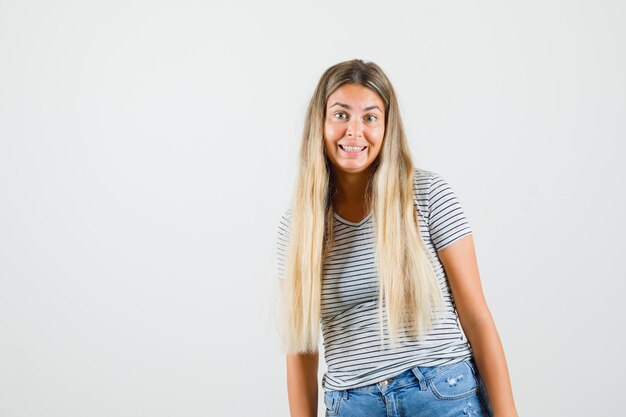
(148, 149)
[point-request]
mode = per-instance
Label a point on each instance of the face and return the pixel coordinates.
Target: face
(354, 128)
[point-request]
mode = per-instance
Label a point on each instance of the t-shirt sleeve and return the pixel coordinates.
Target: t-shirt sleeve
(281, 243)
(446, 221)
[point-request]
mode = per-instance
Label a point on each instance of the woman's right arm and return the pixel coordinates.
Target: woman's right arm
(302, 384)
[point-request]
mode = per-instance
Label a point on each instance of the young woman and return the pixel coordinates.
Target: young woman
(380, 253)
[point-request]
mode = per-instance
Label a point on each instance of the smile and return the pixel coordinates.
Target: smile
(352, 149)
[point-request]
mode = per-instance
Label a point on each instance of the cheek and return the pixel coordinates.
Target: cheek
(381, 134)
(328, 140)
(377, 135)
(332, 132)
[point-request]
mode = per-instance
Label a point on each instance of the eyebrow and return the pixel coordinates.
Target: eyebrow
(350, 107)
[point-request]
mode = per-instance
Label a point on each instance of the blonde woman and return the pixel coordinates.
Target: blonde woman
(380, 254)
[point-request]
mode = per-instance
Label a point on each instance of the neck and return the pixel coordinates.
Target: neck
(350, 188)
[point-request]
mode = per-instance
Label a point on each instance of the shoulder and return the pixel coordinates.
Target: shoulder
(423, 181)
(287, 214)
(285, 222)
(422, 175)
(433, 194)
(430, 184)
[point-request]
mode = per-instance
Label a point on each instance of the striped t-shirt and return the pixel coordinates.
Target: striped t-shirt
(350, 322)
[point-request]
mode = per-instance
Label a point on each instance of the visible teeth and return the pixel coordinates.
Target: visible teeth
(352, 148)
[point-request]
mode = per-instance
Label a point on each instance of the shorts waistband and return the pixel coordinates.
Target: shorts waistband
(420, 373)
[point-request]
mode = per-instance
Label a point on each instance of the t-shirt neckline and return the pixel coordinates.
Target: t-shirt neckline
(359, 223)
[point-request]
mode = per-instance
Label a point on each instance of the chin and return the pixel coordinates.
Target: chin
(353, 169)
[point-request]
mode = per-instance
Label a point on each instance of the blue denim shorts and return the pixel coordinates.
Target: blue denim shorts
(439, 391)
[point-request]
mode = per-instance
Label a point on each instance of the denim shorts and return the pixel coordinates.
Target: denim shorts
(438, 391)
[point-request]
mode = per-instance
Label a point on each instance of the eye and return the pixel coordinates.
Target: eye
(340, 114)
(371, 118)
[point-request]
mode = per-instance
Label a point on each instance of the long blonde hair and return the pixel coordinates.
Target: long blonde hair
(409, 291)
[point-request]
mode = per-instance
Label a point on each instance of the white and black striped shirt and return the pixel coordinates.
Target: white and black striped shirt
(350, 323)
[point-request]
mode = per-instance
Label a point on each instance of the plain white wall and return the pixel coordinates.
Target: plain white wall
(148, 149)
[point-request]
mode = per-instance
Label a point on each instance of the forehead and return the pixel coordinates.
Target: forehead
(355, 94)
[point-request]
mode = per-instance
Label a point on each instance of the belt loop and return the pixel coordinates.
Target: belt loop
(420, 378)
(344, 394)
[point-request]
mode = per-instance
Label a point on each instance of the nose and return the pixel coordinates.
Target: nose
(354, 128)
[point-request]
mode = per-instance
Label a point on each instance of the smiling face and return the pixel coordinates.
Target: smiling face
(354, 128)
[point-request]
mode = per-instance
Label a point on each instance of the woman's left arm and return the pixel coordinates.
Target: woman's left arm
(459, 262)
